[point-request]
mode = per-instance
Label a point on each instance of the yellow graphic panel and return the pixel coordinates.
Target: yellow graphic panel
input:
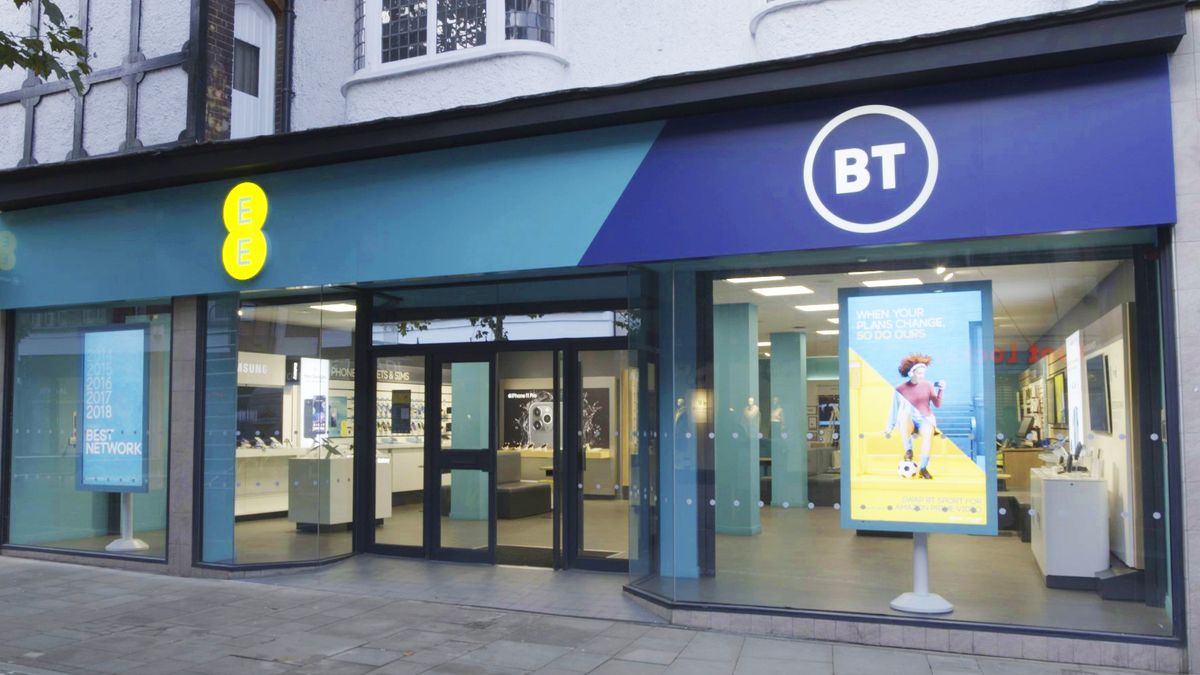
(956, 495)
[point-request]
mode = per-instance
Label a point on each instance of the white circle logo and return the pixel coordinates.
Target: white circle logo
(911, 209)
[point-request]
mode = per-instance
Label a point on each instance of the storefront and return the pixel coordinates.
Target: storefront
(741, 355)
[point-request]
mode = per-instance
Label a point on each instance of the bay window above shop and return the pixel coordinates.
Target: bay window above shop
(409, 35)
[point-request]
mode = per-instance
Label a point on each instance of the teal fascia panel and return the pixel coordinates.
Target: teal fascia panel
(525, 204)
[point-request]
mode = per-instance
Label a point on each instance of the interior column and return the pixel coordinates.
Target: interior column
(789, 418)
(735, 361)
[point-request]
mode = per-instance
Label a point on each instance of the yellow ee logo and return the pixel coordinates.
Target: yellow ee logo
(245, 249)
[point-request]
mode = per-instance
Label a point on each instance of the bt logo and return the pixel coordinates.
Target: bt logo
(870, 169)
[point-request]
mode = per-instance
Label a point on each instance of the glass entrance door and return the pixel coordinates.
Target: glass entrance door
(602, 447)
(462, 451)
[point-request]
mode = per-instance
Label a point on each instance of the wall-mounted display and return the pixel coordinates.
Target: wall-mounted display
(1099, 412)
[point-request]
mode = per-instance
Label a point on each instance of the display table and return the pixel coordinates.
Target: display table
(1068, 527)
(321, 490)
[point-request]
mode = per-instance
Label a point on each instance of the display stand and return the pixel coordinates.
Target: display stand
(920, 600)
(127, 542)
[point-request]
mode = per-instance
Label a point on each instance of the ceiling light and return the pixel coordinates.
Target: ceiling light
(834, 320)
(828, 332)
(941, 269)
(859, 274)
(753, 280)
(886, 283)
(948, 277)
(818, 308)
(783, 290)
(767, 354)
(764, 344)
(340, 307)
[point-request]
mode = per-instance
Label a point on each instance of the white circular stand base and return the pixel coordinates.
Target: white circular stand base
(922, 603)
(124, 545)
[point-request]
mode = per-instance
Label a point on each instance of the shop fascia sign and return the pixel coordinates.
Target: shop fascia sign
(878, 153)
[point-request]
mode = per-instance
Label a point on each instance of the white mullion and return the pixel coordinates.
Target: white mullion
(372, 33)
(495, 22)
(431, 20)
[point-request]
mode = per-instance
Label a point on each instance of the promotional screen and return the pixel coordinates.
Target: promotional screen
(112, 454)
(917, 370)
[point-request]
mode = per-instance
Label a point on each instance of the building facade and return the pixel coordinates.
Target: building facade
(771, 306)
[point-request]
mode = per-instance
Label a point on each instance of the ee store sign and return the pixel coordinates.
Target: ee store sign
(870, 169)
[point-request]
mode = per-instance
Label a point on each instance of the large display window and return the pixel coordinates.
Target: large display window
(1003, 405)
(89, 429)
(278, 428)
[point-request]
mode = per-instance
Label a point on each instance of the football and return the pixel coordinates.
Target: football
(907, 468)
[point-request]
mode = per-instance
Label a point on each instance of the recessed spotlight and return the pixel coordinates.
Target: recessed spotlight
(886, 283)
(828, 332)
(767, 354)
(859, 274)
(834, 320)
(832, 307)
(340, 307)
(776, 291)
(941, 270)
(753, 280)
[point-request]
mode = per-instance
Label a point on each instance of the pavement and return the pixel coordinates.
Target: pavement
(61, 618)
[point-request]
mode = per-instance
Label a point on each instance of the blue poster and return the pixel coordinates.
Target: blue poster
(918, 400)
(113, 456)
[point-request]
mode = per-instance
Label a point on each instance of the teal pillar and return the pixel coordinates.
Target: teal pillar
(469, 419)
(735, 363)
(789, 419)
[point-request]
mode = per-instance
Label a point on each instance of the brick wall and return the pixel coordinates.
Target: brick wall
(219, 89)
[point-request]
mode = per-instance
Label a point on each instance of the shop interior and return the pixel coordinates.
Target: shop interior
(1060, 508)
(296, 421)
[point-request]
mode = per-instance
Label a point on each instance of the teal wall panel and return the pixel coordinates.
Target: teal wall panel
(737, 411)
(470, 419)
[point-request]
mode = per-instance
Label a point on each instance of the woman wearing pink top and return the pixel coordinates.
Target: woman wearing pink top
(913, 403)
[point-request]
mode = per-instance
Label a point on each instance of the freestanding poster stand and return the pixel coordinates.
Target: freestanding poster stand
(920, 600)
(127, 542)
(113, 392)
(914, 361)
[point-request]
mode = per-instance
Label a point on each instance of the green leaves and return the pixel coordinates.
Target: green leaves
(56, 51)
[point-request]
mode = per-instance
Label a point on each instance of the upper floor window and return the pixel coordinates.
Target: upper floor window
(411, 28)
(529, 20)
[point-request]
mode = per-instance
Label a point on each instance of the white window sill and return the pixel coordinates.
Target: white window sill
(774, 6)
(419, 64)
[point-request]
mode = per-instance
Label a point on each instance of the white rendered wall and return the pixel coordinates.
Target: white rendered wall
(162, 94)
(322, 61)
(612, 42)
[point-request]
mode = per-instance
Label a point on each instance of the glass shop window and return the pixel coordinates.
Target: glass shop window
(1005, 404)
(279, 429)
(91, 402)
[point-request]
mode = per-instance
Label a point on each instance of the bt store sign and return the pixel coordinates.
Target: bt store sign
(870, 169)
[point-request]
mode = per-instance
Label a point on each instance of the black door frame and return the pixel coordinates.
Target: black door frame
(567, 515)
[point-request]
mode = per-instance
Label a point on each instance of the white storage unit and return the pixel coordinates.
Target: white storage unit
(1069, 524)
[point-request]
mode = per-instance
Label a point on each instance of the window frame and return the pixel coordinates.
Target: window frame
(494, 26)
